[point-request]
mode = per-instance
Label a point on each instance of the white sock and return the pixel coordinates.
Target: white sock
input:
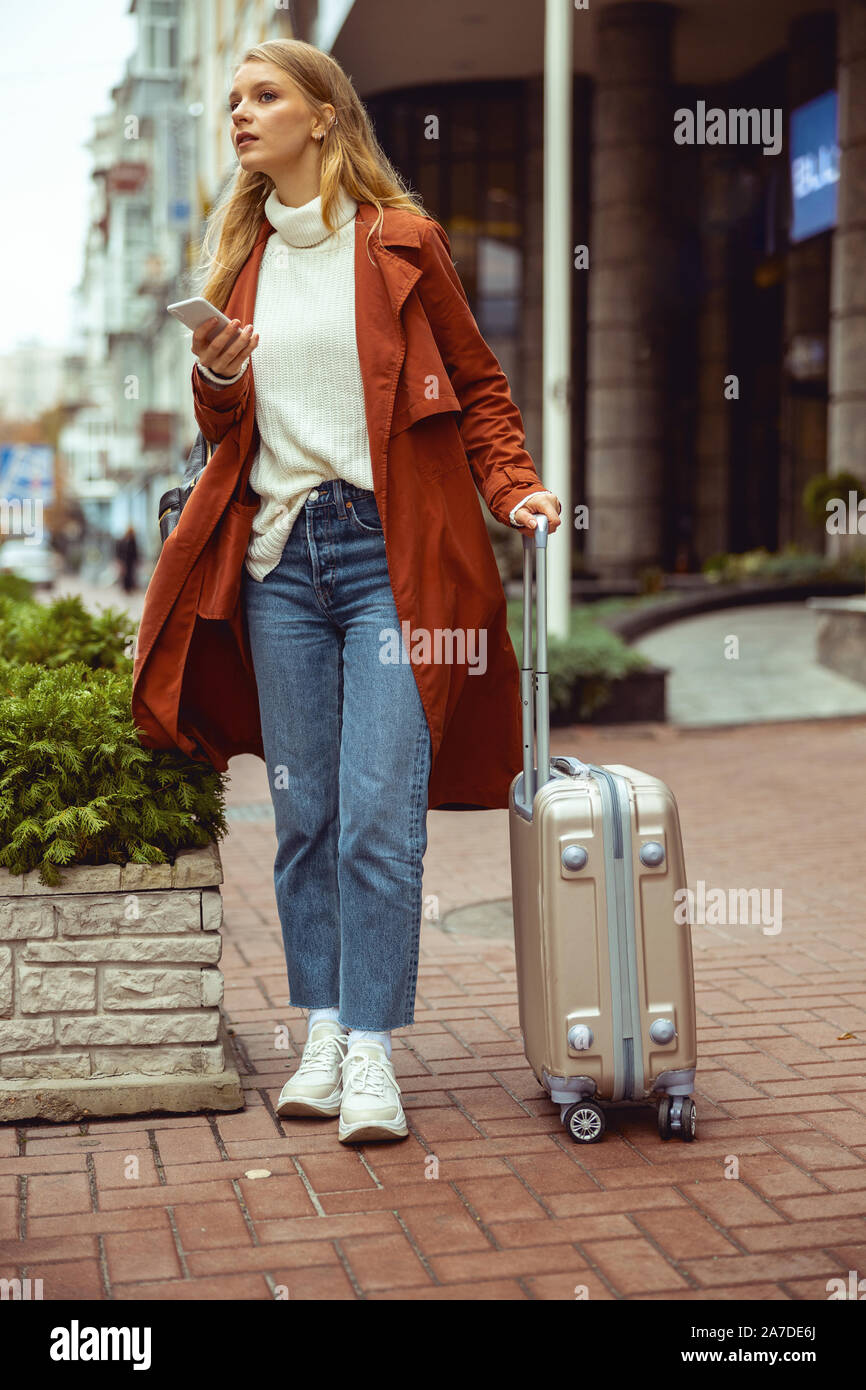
(316, 1015)
(358, 1035)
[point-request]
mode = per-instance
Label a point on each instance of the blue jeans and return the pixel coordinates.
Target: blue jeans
(348, 753)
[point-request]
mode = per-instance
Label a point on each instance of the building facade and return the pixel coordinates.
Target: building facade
(718, 323)
(159, 158)
(716, 345)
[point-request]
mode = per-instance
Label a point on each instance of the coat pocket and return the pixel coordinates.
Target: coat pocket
(408, 413)
(221, 585)
(432, 447)
(431, 426)
(423, 387)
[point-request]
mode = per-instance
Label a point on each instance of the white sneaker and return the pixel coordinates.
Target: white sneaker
(371, 1107)
(316, 1087)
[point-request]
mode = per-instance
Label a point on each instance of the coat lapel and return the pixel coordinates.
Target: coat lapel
(383, 281)
(381, 288)
(242, 305)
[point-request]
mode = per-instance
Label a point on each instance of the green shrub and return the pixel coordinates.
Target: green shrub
(76, 786)
(588, 660)
(56, 633)
(790, 564)
(795, 564)
(825, 487)
(628, 603)
(16, 587)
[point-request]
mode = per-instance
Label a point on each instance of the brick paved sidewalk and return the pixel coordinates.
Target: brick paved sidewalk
(517, 1210)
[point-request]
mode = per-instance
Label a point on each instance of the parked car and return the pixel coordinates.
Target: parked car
(33, 560)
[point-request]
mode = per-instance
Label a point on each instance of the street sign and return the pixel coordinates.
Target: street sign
(26, 471)
(814, 166)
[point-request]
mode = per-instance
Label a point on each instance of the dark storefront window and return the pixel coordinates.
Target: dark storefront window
(757, 301)
(471, 180)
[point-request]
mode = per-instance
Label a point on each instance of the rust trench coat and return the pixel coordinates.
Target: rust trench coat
(441, 424)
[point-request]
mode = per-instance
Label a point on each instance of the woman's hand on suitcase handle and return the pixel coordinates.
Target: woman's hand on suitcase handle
(549, 505)
(227, 351)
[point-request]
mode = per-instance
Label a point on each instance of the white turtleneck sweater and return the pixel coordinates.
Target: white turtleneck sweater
(309, 392)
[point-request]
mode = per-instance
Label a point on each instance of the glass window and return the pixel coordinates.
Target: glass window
(500, 123)
(426, 184)
(463, 126)
(464, 187)
(470, 179)
(160, 44)
(501, 210)
(499, 286)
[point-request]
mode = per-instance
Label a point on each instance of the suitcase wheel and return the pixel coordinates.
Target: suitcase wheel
(584, 1122)
(689, 1121)
(664, 1118)
(677, 1115)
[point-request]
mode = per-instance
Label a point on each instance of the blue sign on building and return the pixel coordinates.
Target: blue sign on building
(27, 471)
(814, 166)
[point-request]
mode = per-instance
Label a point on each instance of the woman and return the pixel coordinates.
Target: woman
(344, 728)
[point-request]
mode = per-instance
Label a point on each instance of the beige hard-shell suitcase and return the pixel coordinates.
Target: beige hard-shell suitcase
(603, 944)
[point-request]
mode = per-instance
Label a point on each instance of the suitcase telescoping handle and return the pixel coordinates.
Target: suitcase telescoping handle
(534, 683)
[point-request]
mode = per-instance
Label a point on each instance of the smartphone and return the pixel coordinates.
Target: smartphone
(194, 312)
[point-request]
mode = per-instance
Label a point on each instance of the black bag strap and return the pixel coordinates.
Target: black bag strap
(172, 503)
(199, 456)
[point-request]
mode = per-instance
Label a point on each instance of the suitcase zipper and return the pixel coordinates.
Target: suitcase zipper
(625, 1003)
(628, 1069)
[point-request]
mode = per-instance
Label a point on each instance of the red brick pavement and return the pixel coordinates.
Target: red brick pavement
(488, 1198)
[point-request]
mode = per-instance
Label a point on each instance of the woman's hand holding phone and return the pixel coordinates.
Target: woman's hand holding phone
(227, 351)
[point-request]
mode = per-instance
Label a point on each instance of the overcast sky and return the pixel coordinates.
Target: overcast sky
(59, 62)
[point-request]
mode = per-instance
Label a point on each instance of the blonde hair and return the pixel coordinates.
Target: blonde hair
(351, 158)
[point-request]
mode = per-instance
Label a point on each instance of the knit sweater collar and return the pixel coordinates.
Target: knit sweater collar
(304, 226)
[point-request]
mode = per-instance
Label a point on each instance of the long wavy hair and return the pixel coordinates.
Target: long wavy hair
(352, 158)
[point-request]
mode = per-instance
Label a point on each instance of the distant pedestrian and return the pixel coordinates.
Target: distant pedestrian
(126, 551)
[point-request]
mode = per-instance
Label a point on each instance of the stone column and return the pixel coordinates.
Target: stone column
(811, 71)
(632, 282)
(847, 415)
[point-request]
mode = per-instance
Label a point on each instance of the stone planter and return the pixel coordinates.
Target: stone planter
(638, 697)
(841, 636)
(713, 597)
(109, 992)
